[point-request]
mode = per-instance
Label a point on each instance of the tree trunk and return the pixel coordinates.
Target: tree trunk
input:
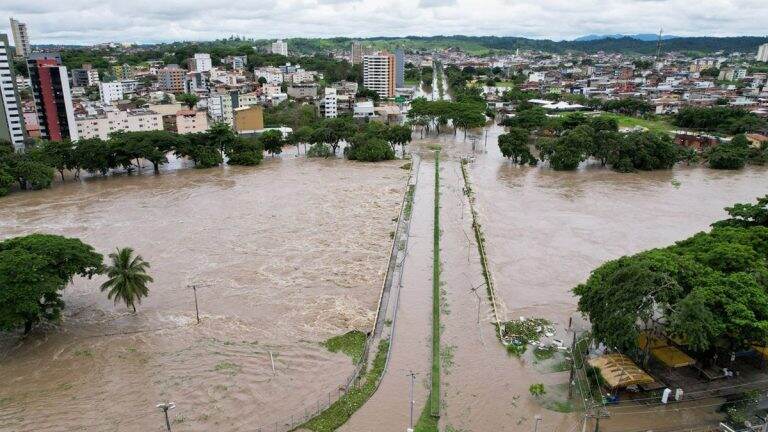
(156, 167)
(27, 326)
(134, 308)
(61, 172)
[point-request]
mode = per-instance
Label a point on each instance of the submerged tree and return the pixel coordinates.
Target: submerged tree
(128, 278)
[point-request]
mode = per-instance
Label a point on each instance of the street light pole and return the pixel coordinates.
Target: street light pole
(197, 311)
(165, 407)
(410, 397)
(537, 418)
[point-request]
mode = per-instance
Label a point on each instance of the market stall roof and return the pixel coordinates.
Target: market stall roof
(672, 357)
(667, 354)
(620, 371)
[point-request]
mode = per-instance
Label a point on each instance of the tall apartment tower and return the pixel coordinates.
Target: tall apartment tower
(53, 98)
(357, 52)
(399, 68)
(762, 53)
(379, 74)
(280, 47)
(20, 38)
(330, 103)
(11, 116)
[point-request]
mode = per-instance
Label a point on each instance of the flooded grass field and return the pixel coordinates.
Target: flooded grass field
(287, 254)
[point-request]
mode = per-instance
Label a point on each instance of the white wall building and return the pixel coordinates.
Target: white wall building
(762, 53)
(20, 38)
(330, 103)
(280, 47)
(379, 74)
(201, 62)
(101, 125)
(111, 91)
(273, 75)
(364, 109)
(12, 121)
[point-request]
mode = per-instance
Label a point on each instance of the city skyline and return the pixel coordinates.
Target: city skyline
(89, 21)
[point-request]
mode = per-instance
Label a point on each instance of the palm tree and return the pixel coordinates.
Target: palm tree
(128, 278)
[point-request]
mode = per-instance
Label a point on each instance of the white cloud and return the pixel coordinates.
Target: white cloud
(93, 21)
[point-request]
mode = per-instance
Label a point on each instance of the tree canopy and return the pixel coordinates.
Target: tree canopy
(34, 269)
(709, 291)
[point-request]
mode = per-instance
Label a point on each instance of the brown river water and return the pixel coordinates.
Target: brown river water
(289, 253)
(294, 252)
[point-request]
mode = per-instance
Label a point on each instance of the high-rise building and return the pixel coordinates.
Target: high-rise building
(330, 103)
(53, 98)
(399, 68)
(111, 91)
(11, 115)
(201, 62)
(171, 78)
(280, 47)
(762, 53)
(85, 76)
(379, 74)
(357, 53)
(20, 38)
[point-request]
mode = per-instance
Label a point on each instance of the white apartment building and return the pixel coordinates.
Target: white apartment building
(330, 103)
(20, 38)
(302, 76)
(129, 86)
(85, 77)
(379, 74)
(221, 106)
(280, 47)
(762, 53)
(191, 121)
(12, 120)
(273, 75)
(270, 89)
(111, 91)
(201, 62)
(101, 125)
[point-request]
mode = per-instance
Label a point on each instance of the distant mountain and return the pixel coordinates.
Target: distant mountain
(646, 37)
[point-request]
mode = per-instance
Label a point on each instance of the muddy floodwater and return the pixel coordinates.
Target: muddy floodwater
(545, 231)
(287, 254)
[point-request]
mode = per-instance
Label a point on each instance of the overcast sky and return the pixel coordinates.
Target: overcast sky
(95, 21)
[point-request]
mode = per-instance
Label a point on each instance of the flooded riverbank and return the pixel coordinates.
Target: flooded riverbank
(290, 253)
(545, 231)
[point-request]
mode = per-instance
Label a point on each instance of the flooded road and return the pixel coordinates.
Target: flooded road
(290, 253)
(547, 230)
(388, 409)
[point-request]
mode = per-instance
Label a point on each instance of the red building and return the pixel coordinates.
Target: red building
(53, 99)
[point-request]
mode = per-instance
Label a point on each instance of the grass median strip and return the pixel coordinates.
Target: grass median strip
(341, 410)
(434, 395)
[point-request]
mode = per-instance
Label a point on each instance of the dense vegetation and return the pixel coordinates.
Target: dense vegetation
(486, 44)
(724, 120)
(34, 168)
(710, 291)
(33, 272)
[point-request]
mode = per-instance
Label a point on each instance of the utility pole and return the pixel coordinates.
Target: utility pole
(537, 419)
(165, 407)
(410, 398)
(197, 310)
(573, 366)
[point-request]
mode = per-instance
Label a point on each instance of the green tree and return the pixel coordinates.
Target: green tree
(94, 155)
(188, 99)
(59, 154)
(33, 271)
(537, 390)
(272, 141)
(128, 278)
(514, 145)
(746, 214)
(245, 151)
(729, 155)
(366, 148)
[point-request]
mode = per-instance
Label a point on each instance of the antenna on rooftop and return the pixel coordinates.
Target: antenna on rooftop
(658, 45)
